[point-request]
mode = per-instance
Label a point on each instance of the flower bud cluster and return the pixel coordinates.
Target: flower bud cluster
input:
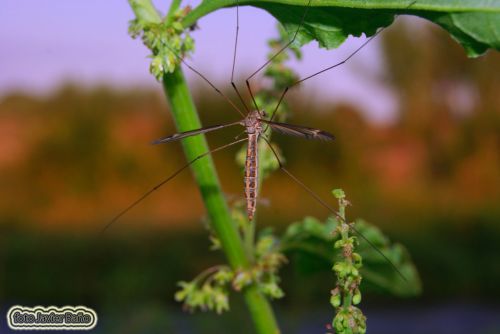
(168, 41)
(348, 318)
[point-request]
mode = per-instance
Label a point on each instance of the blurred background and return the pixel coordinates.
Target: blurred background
(417, 152)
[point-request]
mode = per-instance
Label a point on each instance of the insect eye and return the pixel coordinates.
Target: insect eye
(264, 114)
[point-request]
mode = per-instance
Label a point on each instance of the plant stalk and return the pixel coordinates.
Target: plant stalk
(186, 118)
(171, 12)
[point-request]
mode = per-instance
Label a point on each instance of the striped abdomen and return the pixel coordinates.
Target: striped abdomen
(251, 174)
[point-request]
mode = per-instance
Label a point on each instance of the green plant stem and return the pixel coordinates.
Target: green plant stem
(347, 298)
(173, 8)
(249, 238)
(186, 118)
(261, 311)
(145, 11)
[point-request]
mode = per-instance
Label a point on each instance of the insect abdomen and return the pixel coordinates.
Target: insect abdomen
(251, 175)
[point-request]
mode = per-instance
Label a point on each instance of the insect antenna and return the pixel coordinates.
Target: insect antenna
(316, 73)
(236, 38)
(329, 208)
(345, 60)
(286, 45)
(177, 172)
(234, 55)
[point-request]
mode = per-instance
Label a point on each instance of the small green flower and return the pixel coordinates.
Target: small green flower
(186, 289)
(214, 242)
(167, 41)
(356, 298)
(156, 67)
(223, 276)
(135, 28)
(221, 300)
(264, 245)
(271, 289)
(358, 261)
(338, 193)
(241, 280)
(336, 298)
(197, 299)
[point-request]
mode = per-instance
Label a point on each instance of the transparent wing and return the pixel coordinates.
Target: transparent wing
(181, 135)
(299, 131)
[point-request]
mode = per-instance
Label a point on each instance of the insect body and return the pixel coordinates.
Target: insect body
(253, 128)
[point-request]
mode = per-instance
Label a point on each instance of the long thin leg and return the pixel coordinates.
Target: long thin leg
(247, 81)
(348, 57)
(181, 59)
(239, 96)
(345, 60)
(329, 208)
(240, 134)
(286, 45)
(236, 38)
(137, 201)
(253, 98)
(277, 106)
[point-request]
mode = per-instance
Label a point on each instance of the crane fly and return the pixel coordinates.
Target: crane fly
(254, 128)
(256, 124)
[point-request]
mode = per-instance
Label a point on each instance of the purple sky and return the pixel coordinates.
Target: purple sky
(45, 43)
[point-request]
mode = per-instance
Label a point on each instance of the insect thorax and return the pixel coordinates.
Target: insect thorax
(252, 122)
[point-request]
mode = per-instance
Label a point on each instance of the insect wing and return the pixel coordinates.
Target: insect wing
(181, 135)
(300, 131)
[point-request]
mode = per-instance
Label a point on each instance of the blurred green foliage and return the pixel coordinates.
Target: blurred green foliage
(311, 237)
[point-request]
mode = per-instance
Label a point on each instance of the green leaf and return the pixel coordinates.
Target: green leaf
(223, 276)
(329, 26)
(473, 23)
(475, 31)
(272, 290)
(377, 271)
(315, 239)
